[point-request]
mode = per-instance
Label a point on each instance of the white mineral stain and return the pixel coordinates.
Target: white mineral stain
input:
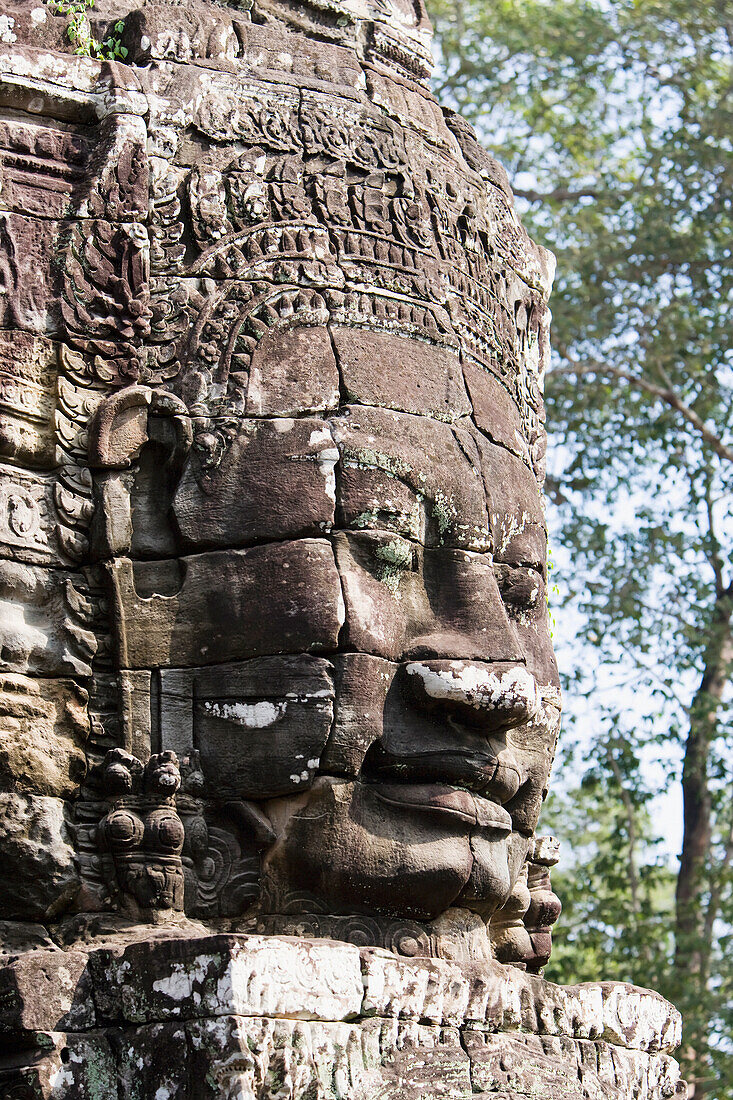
(63, 1076)
(327, 466)
(254, 716)
(319, 435)
(38, 15)
(64, 978)
(6, 29)
(178, 985)
(340, 609)
(478, 687)
(509, 527)
(284, 424)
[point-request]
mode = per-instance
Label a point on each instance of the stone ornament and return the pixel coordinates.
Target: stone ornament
(142, 831)
(274, 641)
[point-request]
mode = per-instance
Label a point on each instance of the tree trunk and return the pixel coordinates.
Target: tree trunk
(691, 951)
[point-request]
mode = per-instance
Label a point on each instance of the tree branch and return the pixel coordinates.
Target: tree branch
(560, 194)
(669, 397)
(553, 490)
(714, 557)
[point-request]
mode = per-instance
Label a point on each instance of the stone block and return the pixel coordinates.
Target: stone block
(600, 1068)
(494, 410)
(430, 990)
(45, 991)
(201, 1018)
(76, 1067)
(362, 684)
(404, 601)
(523, 593)
(41, 30)
(51, 171)
(549, 1009)
(221, 975)
(28, 372)
(520, 1067)
(135, 713)
(293, 372)
(410, 474)
(639, 1018)
(276, 481)
(19, 936)
(152, 1062)
(45, 621)
(39, 875)
(29, 300)
(44, 517)
(227, 605)
(258, 727)
(330, 1061)
(414, 377)
(255, 745)
(516, 517)
(72, 83)
(374, 853)
(44, 725)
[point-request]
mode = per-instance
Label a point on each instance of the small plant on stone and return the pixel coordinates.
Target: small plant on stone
(79, 31)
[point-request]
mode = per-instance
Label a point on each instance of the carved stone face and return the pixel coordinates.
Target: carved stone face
(435, 768)
(293, 312)
(354, 602)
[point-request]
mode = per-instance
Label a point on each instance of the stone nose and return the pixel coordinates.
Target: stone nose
(493, 697)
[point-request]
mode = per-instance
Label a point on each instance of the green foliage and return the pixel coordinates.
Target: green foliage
(614, 120)
(80, 33)
(612, 926)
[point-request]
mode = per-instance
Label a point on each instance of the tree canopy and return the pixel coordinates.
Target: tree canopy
(614, 119)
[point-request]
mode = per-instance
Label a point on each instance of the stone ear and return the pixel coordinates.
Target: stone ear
(139, 439)
(121, 426)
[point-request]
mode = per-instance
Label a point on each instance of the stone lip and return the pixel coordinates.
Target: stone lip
(175, 979)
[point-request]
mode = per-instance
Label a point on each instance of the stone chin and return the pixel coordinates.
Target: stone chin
(409, 851)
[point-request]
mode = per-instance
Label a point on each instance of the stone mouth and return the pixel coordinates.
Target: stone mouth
(492, 775)
(441, 799)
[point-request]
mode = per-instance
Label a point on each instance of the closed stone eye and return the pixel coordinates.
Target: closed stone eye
(521, 589)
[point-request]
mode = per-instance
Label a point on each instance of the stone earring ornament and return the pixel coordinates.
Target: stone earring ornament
(142, 831)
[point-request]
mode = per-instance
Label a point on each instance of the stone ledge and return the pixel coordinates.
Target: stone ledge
(160, 980)
(239, 1058)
